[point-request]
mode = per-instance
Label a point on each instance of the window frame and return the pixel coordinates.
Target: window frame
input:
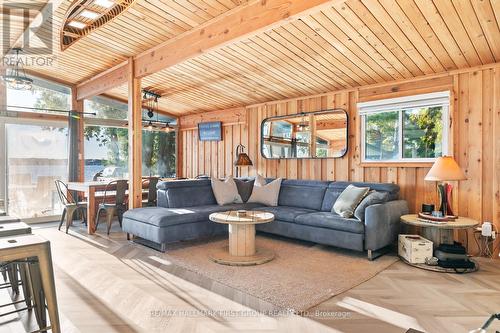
(123, 123)
(399, 105)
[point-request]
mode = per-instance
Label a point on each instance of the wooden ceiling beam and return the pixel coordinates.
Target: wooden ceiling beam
(103, 82)
(237, 24)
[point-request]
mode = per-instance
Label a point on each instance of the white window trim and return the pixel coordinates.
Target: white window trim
(398, 104)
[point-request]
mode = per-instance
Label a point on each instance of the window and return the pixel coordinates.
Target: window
(44, 95)
(36, 156)
(106, 143)
(34, 152)
(408, 129)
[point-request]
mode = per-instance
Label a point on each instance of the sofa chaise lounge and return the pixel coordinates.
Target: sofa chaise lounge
(303, 212)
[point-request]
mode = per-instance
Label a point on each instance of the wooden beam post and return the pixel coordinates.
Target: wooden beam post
(78, 140)
(134, 138)
(179, 146)
(312, 129)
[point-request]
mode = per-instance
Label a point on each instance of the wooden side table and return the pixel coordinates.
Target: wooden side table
(24, 247)
(241, 250)
(439, 233)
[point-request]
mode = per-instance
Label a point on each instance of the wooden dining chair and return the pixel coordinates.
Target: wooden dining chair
(116, 207)
(70, 205)
(152, 194)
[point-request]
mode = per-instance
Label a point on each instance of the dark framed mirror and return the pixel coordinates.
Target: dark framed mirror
(320, 134)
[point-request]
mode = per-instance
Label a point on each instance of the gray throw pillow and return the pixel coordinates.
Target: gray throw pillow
(373, 197)
(244, 188)
(348, 200)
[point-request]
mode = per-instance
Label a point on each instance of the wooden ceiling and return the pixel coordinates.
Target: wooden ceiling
(15, 19)
(143, 26)
(357, 43)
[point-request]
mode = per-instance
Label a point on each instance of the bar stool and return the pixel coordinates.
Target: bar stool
(28, 271)
(35, 251)
(10, 229)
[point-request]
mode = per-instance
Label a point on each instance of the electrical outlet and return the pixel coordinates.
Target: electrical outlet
(493, 234)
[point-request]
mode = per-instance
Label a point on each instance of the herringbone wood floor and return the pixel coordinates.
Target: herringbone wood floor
(105, 284)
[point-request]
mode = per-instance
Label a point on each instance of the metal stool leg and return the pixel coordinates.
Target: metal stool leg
(48, 283)
(97, 217)
(13, 278)
(69, 216)
(4, 274)
(63, 215)
(38, 294)
(25, 283)
(109, 218)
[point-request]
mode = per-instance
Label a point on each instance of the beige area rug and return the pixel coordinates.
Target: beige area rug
(301, 276)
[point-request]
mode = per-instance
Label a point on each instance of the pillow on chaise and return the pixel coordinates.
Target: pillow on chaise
(244, 188)
(372, 198)
(348, 200)
(266, 194)
(225, 192)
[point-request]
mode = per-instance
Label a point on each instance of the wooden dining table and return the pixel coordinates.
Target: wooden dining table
(90, 189)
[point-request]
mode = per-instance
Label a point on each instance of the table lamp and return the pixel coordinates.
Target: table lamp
(445, 169)
(242, 159)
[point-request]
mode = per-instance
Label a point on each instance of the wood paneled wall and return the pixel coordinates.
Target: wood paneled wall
(474, 141)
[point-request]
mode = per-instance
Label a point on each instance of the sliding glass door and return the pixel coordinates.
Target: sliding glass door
(36, 156)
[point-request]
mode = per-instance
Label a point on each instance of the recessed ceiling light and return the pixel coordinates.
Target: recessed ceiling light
(89, 14)
(104, 3)
(77, 24)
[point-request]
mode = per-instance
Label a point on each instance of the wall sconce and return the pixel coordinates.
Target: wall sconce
(242, 159)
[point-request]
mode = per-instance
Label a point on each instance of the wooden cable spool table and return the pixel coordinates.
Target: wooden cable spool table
(242, 250)
(440, 233)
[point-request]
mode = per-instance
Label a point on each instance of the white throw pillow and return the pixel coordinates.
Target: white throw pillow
(348, 200)
(266, 194)
(226, 191)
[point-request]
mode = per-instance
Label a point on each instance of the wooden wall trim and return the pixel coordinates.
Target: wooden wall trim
(385, 84)
(227, 116)
(32, 115)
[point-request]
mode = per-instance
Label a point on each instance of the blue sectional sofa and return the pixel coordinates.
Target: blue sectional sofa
(303, 212)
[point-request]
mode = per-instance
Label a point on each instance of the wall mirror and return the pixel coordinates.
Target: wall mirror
(321, 134)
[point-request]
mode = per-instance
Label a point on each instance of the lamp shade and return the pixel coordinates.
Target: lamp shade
(243, 160)
(445, 169)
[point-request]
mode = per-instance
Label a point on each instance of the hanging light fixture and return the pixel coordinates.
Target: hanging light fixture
(15, 76)
(150, 104)
(167, 128)
(303, 126)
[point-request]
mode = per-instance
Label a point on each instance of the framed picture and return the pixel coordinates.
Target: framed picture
(210, 131)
